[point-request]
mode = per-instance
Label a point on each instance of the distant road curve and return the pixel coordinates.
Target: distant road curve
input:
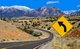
(29, 44)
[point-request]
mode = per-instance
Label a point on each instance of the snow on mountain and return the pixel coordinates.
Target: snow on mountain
(72, 13)
(16, 11)
(69, 12)
(50, 11)
(76, 13)
(17, 7)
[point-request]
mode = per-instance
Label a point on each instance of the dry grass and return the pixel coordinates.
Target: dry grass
(8, 31)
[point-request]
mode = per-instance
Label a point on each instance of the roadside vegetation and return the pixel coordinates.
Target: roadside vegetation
(5, 19)
(46, 23)
(30, 31)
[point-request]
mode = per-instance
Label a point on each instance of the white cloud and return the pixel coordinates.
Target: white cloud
(52, 2)
(78, 5)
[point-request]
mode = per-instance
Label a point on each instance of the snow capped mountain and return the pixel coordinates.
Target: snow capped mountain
(72, 13)
(50, 11)
(76, 13)
(13, 11)
(16, 11)
(16, 7)
(69, 12)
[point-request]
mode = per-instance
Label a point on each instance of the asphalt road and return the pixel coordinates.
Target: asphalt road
(27, 45)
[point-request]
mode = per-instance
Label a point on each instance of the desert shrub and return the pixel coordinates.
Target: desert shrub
(70, 44)
(48, 28)
(73, 22)
(36, 34)
(32, 32)
(46, 24)
(5, 19)
(35, 24)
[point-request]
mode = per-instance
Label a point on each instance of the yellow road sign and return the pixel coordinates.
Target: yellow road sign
(62, 26)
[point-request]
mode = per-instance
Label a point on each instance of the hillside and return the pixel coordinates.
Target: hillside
(10, 32)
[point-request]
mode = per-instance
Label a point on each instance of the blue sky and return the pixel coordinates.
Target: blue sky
(35, 4)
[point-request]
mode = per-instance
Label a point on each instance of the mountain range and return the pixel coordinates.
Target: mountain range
(72, 13)
(16, 11)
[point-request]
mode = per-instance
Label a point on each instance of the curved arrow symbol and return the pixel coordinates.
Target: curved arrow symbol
(61, 24)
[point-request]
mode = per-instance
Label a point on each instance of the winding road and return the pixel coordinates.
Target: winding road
(27, 45)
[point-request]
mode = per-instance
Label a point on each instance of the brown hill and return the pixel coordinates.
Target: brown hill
(8, 31)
